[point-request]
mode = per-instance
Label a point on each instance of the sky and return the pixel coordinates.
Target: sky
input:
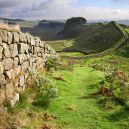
(64, 9)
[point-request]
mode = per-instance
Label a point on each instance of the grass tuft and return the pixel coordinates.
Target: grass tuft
(6, 26)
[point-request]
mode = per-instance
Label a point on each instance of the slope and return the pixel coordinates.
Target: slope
(98, 38)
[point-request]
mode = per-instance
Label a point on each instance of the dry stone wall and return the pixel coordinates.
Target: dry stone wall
(20, 54)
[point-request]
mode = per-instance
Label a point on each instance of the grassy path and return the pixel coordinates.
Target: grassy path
(74, 108)
(86, 113)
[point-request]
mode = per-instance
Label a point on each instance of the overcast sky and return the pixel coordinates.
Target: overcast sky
(63, 9)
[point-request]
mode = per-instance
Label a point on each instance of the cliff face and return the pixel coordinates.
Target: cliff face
(73, 27)
(20, 54)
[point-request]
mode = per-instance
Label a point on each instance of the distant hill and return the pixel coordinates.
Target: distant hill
(49, 24)
(73, 27)
(96, 38)
(125, 22)
(45, 29)
(11, 20)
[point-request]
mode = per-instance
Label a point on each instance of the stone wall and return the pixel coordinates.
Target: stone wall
(20, 54)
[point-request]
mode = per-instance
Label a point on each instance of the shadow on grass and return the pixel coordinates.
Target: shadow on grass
(41, 104)
(123, 114)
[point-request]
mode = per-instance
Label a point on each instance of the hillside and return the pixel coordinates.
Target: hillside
(96, 38)
(73, 27)
(45, 29)
(11, 20)
(47, 24)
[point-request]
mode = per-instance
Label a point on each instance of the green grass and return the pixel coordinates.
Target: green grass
(79, 84)
(59, 45)
(71, 54)
(74, 92)
(86, 114)
(104, 36)
(114, 59)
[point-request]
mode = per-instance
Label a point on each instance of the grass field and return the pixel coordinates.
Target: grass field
(74, 108)
(71, 54)
(59, 45)
(86, 113)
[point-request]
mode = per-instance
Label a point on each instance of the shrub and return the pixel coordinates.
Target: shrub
(66, 65)
(51, 64)
(118, 82)
(45, 91)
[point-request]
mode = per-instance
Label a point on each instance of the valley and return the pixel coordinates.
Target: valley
(87, 88)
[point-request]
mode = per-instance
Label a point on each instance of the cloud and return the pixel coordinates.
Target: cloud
(57, 9)
(122, 1)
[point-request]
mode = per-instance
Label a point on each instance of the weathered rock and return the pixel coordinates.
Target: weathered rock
(1, 68)
(39, 54)
(10, 74)
(16, 37)
(2, 80)
(1, 52)
(9, 90)
(28, 57)
(25, 66)
(37, 42)
(4, 36)
(0, 41)
(15, 61)
(17, 70)
(2, 96)
(13, 50)
(21, 48)
(22, 37)
(26, 48)
(10, 37)
(28, 38)
(32, 42)
(22, 58)
(22, 81)
(8, 64)
(15, 99)
(6, 50)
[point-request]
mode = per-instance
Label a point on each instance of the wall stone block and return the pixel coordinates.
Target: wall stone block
(2, 80)
(16, 37)
(10, 37)
(13, 50)
(15, 61)
(1, 52)
(6, 51)
(8, 64)
(4, 36)
(1, 68)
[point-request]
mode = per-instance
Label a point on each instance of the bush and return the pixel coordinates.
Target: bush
(51, 64)
(45, 91)
(118, 82)
(66, 66)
